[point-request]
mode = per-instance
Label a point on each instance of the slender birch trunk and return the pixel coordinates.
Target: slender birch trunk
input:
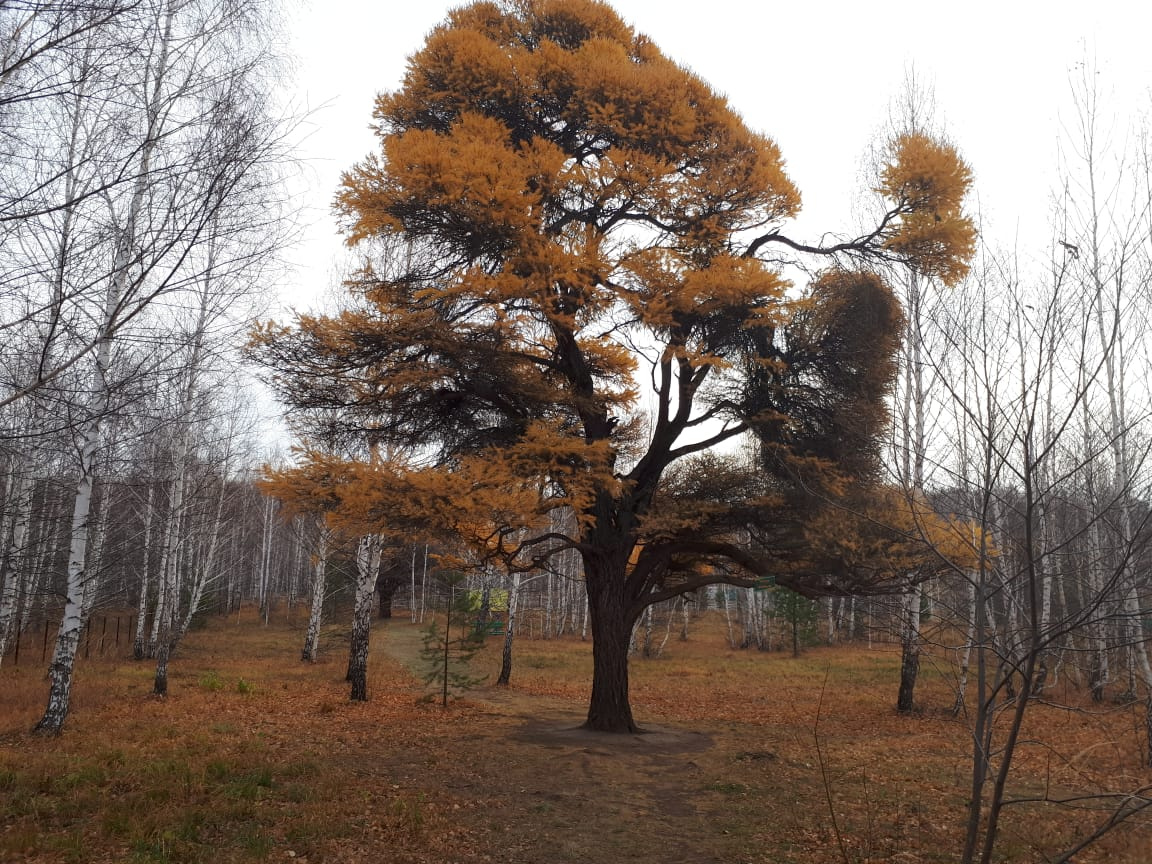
(170, 558)
(367, 565)
(12, 573)
(266, 559)
(913, 446)
(1099, 672)
(78, 577)
(319, 586)
(965, 652)
(647, 631)
(138, 648)
(659, 652)
(510, 631)
(412, 596)
(205, 573)
(90, 436)
(548, 608)
(424, 585)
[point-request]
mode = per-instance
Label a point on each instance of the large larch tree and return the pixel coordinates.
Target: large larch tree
(575, 263)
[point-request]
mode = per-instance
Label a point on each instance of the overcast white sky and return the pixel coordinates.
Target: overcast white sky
(817, 77)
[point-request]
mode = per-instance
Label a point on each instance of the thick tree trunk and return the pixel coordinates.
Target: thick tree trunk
(609, 709)
(72, 622)
(909, 671)
(367, 563)
(910, 650)
(387, 593)
(160, 682)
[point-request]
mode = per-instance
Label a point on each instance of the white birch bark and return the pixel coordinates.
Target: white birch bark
(728, 617)
(206, 573)
(413, 604)
(167, 607)
(548, 607)
(510, 631)
(913, 449)
(90, 435)
(659, 651)
(138, 649)
(424, 585)
(185, 418)
(12, 575)
(19, 501)
(319, 587)
(965, 652)
(647, 651)
(367, 566)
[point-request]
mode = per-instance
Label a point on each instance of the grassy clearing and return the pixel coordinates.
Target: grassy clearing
(255, 756)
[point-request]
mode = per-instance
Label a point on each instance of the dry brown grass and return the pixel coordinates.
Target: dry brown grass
(255, 756)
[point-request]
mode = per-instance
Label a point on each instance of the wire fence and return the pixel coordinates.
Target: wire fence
(104, 636)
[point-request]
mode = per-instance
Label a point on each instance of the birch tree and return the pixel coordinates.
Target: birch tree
(368, 552)
(172, 87)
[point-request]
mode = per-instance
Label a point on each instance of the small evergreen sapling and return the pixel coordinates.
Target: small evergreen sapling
(800, 613)
(446, 658)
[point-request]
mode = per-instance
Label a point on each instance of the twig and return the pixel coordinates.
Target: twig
(824, 772)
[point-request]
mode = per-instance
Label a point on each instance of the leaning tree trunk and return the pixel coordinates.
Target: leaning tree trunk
(509, 632)
(72, 622)
(608, 709)
(367, 563)
(319, 585)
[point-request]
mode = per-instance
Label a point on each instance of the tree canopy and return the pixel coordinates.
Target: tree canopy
(575, 271)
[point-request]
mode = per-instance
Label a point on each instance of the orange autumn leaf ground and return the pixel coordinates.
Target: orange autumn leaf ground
(257, 757)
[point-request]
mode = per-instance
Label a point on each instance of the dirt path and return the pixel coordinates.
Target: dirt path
(540, 789)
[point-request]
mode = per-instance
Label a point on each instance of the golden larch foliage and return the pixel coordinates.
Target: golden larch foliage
(928, 181)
